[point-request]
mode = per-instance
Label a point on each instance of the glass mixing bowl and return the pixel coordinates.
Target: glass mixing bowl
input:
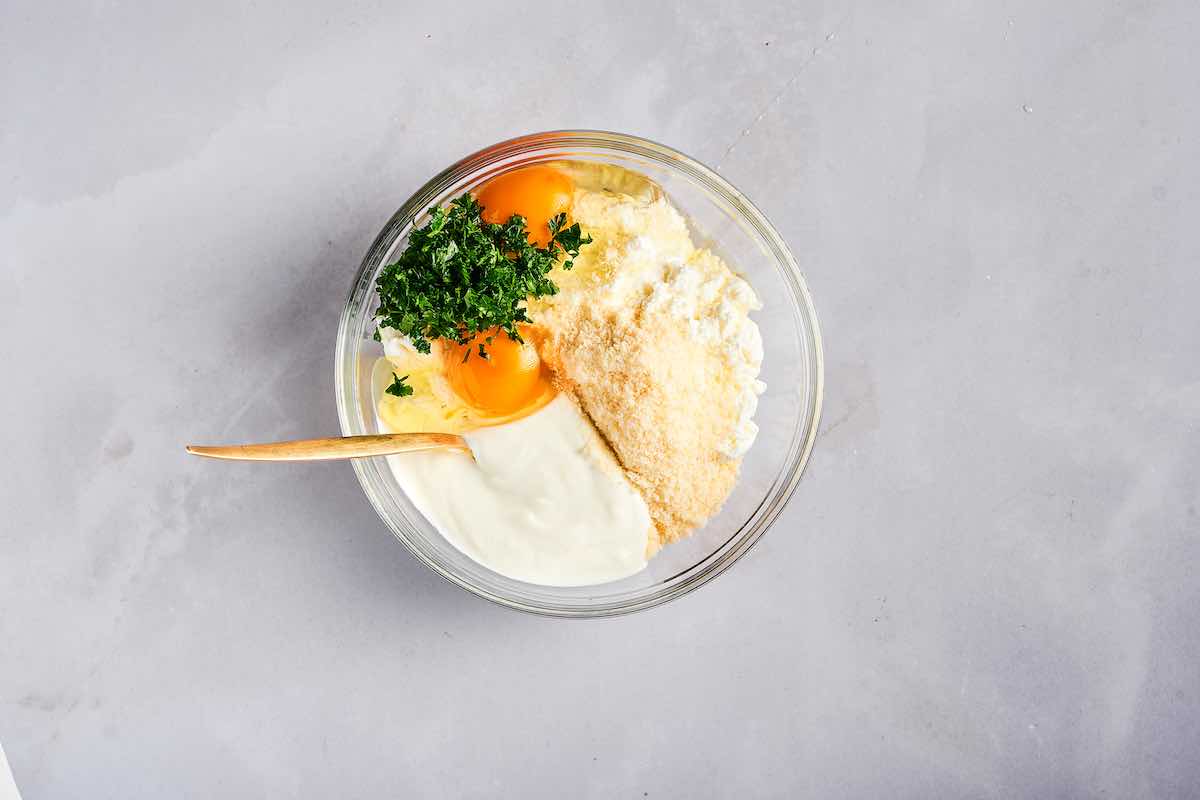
(722, 219)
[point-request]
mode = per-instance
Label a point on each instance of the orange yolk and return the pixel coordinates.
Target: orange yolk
(536, 193)
(510, 379)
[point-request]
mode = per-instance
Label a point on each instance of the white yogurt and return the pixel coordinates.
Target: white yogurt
(544, 501)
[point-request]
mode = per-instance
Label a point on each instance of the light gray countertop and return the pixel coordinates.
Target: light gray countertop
(987, 584)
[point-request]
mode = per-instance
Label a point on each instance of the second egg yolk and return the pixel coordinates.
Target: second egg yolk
(537, 193)
(510, 379)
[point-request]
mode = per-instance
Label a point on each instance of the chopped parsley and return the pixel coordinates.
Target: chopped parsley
(399, 388)
(460, 275)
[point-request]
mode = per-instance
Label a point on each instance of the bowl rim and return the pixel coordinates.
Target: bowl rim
(741, 541)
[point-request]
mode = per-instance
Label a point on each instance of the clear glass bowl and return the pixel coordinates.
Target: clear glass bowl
(722, 219)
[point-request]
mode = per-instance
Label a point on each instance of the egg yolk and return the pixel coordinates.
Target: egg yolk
(510, 379)
(536, 193)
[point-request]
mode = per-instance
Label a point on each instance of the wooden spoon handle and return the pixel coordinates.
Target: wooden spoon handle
(335, 447)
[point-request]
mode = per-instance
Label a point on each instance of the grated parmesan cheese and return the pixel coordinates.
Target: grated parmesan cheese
(652, 335)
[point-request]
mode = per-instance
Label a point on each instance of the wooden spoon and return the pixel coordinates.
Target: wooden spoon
(335, 447)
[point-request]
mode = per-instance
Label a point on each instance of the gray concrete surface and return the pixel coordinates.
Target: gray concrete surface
(986, 586)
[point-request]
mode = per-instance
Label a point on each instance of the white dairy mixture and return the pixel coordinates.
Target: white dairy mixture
(544, 501)
(715, 304)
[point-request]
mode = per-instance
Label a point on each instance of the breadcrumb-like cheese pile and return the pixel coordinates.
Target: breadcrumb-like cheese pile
(652, 336)
(648, 387)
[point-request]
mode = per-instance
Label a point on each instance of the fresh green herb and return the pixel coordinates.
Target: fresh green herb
(460, 275)
(568, 239)
(399, 388)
